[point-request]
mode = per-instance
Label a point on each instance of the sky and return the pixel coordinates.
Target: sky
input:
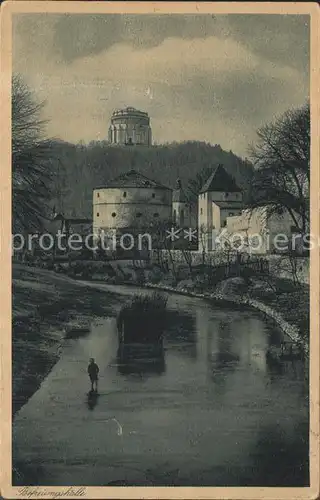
(212, 78)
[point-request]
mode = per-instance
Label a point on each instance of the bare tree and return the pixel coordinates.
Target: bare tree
(203, 239)
(288, 266)
(30, 159)
(188, 258)
(282, 166)
(161, 241)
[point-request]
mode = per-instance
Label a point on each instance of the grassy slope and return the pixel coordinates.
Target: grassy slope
(292, 303)
(43, 303)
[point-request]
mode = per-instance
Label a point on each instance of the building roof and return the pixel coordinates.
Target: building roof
(133, 179)
(178, 195)
(229, 204)
(128, 111)
(220, 180)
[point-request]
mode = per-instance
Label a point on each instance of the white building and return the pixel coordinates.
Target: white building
(219, 199)
(130, 127)
(262, 231)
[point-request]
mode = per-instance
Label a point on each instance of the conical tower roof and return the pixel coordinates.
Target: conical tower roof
(220, 180)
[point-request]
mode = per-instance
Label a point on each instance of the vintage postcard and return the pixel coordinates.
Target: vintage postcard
(159, 250)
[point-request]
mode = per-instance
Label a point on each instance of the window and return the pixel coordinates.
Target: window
(98, 214)
(201, 211)
(227, 195)
(156, 214)
(182, 217)
(98, 195)
(113, 214)
(153, 195)
(124, 194)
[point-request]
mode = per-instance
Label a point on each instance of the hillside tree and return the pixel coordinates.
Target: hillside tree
(281, 159)
(30, 160)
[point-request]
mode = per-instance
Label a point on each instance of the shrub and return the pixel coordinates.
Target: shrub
(140, 277)
(142, 319)
(232, 286)
(155, 276)
(202, 282)
(169, 280)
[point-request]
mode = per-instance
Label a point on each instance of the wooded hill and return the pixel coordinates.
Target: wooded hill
(78, 169)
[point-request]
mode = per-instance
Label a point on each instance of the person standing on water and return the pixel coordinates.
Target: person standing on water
(93, 370)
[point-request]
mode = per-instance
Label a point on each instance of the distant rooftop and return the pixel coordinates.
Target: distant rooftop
(129, 110)
(229, 204)
(133, 179)
(220, 180)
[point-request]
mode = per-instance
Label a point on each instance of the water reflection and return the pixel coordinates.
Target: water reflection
(274, 366)
(140, 359)
(92, 399)
(294, 369)
(221, 356)
(274, 456)
(274, 337)
(181, 333)
(224, 355)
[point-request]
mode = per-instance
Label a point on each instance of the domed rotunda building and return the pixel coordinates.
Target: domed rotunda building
(130, 127)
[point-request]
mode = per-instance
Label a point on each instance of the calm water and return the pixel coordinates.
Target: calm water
(211, 412)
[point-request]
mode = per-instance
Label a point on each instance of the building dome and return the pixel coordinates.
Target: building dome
(129, 126)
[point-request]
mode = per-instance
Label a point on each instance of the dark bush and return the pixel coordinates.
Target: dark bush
(143, 318)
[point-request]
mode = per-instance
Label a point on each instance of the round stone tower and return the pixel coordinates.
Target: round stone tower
(130, 126)
(130, 201)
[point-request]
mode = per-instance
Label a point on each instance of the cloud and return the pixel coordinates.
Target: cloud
(215, 88)
(269, 35)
